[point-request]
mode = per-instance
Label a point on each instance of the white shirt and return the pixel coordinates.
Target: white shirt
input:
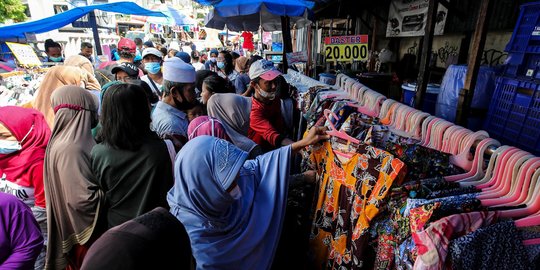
(198, 66)
(146, 79)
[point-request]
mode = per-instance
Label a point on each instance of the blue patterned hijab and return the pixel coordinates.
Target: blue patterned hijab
(228, 233)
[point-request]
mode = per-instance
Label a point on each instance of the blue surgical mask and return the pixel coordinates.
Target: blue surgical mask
(221, 65)
(8, 147)
(55, 59)
(213, 59)
(152, 67)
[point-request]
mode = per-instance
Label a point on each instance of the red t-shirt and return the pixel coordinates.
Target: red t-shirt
(266, 126)
(248, 41)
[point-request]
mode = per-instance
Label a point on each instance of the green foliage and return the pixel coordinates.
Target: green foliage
(12, 9)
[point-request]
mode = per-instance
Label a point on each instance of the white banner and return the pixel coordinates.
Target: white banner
(408, 18)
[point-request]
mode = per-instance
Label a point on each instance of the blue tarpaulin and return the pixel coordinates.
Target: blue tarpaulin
(65, 18)
(292, 8)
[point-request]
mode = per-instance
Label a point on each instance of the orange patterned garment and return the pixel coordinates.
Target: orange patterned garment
(349, 197)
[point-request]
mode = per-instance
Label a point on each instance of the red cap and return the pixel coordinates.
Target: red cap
(127, 44)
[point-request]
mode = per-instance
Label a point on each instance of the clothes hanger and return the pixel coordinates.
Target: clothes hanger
(500, 166)
(477, 169)
(438, 133)
(463, 158)
(385, 108)
(336, 133)
(426, 129)
(391, 114)
(508, 178)
(489, 170)
(449, 134)
(414, 126)
(530, 211)
(520, 189)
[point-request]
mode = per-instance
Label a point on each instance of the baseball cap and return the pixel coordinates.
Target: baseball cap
(129, 68)
(152, 51)
(127, 44)
(264, 69)
(175, 70)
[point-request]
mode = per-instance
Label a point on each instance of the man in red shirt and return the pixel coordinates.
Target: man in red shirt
(267, 127)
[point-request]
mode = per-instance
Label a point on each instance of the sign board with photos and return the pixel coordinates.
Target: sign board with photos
(24, 53)
(408, 18)
(346, 48)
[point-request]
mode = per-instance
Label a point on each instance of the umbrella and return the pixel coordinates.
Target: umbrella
(250, 22)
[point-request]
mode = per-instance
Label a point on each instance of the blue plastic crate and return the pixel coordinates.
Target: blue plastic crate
(524, 65)
(526, 36)
(514, 114)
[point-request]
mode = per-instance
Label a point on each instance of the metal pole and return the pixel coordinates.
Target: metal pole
(95, 32)
(423, 74)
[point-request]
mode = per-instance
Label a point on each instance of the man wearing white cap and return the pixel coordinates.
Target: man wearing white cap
(267, 126)
(152, 60)
(169, 119)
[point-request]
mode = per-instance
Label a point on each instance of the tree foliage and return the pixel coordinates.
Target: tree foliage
(12, 9)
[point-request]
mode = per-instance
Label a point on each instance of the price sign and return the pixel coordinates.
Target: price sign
(346, 48)
(24, 53)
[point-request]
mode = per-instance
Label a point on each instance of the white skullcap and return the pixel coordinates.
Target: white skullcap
(175, 70)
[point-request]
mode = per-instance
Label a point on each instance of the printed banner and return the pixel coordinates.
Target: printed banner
(297, 57)
(346, 48)
(408, 18)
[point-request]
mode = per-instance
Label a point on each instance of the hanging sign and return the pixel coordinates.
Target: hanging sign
(297, 57)
(24, 53)
(346, 48)
(408, 18)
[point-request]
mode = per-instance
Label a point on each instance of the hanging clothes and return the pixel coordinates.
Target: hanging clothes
(350, 194)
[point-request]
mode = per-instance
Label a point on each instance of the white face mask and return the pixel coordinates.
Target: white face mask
(267, 95)
(8, 147)
(236, 193)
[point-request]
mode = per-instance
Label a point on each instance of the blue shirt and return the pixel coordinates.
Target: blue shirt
(168, 120)
(241, 83)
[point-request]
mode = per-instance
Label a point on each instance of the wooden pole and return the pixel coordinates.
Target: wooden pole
(423, 74)
(473, 66)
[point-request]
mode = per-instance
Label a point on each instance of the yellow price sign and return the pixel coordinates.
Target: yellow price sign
(347, 52)
(25, 54)
(346, 48)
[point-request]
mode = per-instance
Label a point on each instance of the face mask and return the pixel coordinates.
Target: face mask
(221, 65)
(213, 59)
(8, 147)
(153, 67)
(267, 95)
(55, 59)
(236, 193)
(183, 105)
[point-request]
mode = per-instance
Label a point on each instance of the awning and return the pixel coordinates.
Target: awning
(62, 19)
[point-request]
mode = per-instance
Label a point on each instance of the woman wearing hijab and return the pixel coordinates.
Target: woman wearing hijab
(23, 140)
(206, 125)
(69, 180)
(84, 64)
(140, 244)
(233, 112)
(132, 164)
(232, 209)
(55, 78)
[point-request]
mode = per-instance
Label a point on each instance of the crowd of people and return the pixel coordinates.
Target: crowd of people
(107, 165)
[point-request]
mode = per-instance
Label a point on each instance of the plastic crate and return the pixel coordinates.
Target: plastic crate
(526, 36)
(525, 65)
(514, 114)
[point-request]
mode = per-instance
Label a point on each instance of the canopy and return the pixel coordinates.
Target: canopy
(65, 18)
(291, 8)
(250, 22)
(246, 15)
(174, 17)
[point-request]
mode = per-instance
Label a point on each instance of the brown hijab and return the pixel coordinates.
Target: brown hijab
(55, 78)
(73, 199)
(85, 64)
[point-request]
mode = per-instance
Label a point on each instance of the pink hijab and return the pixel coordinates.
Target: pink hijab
(206, 125)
